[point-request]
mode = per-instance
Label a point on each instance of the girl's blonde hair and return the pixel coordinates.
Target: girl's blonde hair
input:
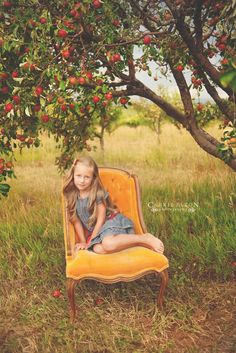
(71, 192)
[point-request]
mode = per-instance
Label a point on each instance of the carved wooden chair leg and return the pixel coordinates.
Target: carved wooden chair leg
(164, 281)
(71, 296)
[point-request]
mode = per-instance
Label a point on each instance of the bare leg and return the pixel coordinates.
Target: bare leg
(119, 242)
(98, 249)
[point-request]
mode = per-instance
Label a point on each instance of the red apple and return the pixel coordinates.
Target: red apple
(72, 106)
(38, 90)
(14, 74)
(64, 107)
(37, 107)
(73, 80)
(224, 61)
(81, 80)
(96, 99)
(45, 118)
(4, 89)
(65, 54)
(89, 75)
(60, 100)
(62, 33)
(73, 12)
(200, 107)
(43, 20)
(32, 23)
(8, 107)
(22, 138)
(71, 49)
(123, 100)
(56, 293)
(116, 22)
(99, 82)
(179, 68)
(16, 99)
(116, 57)
(147, 40)
(221, 46)
(9, 165)
(56, 79)
(26, 66)
(99, 301)
(7, 4)
(97, 4)
(49, 98)
(3, 76)
(30, 141)
(108, 95)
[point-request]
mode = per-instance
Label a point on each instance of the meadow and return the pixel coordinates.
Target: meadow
(189, 201)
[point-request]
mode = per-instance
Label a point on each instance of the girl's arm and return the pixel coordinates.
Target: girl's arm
(79, 231)
(101, 216)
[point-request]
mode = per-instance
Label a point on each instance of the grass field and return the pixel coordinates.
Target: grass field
(189, 201)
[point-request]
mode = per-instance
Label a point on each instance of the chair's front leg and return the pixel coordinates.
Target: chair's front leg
(71, 296)
(164, 281)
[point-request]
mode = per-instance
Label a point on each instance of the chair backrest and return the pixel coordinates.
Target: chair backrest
(124, 191)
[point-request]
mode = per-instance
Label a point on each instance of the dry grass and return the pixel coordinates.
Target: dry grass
(200, 320)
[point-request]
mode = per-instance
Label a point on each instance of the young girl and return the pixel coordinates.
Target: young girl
(99, 226)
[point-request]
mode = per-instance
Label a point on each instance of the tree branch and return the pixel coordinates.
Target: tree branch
(198, 24)
(184, 92)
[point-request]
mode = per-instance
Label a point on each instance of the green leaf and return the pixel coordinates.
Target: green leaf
(4, 189)
(228, 77)
(62, 86)
(28, 112)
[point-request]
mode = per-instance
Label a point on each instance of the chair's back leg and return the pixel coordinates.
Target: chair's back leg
(164, 281)
(71, 296)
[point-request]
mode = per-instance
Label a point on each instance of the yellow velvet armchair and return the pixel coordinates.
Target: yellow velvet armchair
(126, 265)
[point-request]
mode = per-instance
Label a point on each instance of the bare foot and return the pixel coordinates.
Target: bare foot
(155, 243)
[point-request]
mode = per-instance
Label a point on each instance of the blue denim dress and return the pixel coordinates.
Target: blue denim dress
(119, 224)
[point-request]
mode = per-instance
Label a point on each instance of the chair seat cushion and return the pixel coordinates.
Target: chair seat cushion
(127, 263)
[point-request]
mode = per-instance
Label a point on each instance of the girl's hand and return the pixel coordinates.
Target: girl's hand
(80, 246)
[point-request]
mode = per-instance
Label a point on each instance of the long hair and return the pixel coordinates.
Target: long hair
(71, 192)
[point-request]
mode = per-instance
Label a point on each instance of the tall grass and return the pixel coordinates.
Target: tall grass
(189, 201)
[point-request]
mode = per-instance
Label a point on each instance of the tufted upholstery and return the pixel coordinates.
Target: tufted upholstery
(124, 265)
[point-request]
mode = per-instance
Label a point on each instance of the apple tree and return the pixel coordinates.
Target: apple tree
(63, 63)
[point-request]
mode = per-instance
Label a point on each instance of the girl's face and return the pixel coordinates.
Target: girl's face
(83, 177)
